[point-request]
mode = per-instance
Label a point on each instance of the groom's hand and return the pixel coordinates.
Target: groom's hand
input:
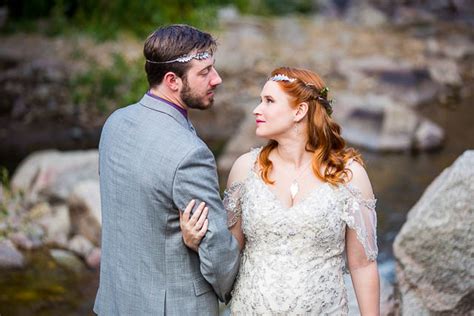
(193, 227)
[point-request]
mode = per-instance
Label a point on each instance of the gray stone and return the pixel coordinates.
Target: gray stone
(67, 259)
(55, 173)
(80, 245)
(85, 210)
(93, 259)
(428, 135)
(434, 251)
(10, 257)
(241, 143)
(233, 56)
(22, 241)
(402, 81)
(228, 14)
(367, 15)
(378, 123)
(445, 71)
(57, 226)
(3, 16)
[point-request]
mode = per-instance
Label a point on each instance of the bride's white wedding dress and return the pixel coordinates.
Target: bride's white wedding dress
(293, 260)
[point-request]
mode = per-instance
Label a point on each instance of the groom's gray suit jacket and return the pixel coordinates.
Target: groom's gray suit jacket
(152, 164)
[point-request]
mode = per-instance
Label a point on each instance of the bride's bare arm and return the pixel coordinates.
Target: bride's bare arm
(361, 257)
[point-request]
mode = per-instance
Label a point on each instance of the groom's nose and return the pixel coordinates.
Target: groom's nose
(216, 79)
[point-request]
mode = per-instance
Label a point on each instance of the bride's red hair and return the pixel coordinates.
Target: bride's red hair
(330, 154)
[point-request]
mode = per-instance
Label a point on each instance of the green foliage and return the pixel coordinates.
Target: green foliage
(4, 176)
(107, 88)
(275, 7)
(104, 19)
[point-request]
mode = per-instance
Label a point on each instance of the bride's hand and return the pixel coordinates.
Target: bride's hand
(193, 228)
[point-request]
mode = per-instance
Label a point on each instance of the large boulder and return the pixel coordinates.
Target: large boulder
(378, 123)
(56, 225)
(434, 249)
(54, 174)
(402, 81)
(85, 210)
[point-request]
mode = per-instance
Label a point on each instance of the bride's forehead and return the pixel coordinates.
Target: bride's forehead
(272, 88)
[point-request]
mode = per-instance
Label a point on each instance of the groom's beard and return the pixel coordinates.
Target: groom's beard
(193, 100)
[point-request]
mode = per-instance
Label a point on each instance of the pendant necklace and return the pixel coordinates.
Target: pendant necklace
(294, 187)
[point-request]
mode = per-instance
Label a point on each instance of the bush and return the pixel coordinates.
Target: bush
(104, 18)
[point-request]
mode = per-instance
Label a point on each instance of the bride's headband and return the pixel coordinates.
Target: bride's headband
(322, 94)
(184, 58)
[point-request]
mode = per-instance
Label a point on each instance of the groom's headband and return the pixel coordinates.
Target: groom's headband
(184, 58)
(321, 94)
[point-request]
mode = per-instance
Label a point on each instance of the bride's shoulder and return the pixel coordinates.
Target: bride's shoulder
(241, 167)
(359, 179)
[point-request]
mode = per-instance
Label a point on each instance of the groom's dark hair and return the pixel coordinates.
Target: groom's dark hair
(170, 42)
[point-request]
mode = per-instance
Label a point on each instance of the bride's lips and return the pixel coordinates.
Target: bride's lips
(259, 121)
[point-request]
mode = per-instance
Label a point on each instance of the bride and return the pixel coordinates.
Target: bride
(301, 207)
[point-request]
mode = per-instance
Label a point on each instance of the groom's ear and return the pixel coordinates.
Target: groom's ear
(172, 81)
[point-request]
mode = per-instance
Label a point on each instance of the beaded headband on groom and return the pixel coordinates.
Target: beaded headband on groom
(184, 58)
(322, 94)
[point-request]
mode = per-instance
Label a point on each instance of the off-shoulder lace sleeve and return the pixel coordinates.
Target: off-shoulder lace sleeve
(359, 215)
(232, 203)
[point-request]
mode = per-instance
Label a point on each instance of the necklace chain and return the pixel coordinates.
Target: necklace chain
(294, 187)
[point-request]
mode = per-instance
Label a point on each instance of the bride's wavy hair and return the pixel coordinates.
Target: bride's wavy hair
(324, 134)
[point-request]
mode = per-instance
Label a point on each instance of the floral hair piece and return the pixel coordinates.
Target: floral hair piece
(184, 58)
(322, 94)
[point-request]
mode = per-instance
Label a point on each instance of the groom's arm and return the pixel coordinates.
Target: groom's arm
(196, 178)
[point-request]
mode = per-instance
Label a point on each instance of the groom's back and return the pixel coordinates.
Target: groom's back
(146, 269)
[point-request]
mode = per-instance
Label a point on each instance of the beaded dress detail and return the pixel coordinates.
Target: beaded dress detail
(293, 260)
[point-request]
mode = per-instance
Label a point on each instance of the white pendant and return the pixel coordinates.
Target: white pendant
(294, 189)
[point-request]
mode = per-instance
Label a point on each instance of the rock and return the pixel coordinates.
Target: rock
(418, 12)
(67, 180)
(428, 135)
(10, 257)
(400, 80)
(228, 14)
(456, 47)
(81, 246)
(93, 259)
(445, 71)
(233, 55)
(241, 143)
(22, 241)
(367, 15)
(3, 16)
(378, 123)
(219, 123)
(54, 173)
(57, 226)
(85, 210)
(67, 259)
(39, 210)
(434, 251)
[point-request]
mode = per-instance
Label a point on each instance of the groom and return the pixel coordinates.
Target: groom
(152, 164)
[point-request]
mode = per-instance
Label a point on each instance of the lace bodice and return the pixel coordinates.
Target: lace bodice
(293, 259)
